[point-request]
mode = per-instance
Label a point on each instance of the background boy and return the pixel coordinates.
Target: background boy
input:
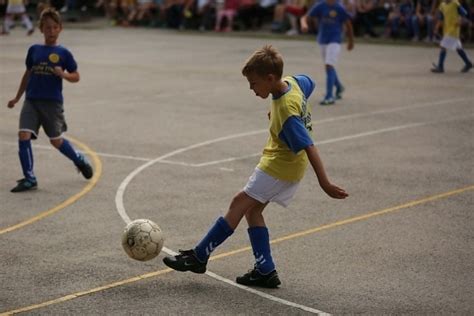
(43, 106)
(276, 177)
(332, 18)
(450, 15)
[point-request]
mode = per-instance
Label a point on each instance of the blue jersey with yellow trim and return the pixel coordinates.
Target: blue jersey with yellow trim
(290, 131)
(43, 84)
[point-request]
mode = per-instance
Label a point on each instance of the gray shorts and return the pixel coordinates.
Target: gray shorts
(46, 113)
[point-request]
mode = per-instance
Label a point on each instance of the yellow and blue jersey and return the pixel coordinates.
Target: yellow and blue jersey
(43, 84)
(290, 131)
(450, 14)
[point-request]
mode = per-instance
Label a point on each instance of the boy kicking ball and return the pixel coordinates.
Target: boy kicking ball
(275, 179)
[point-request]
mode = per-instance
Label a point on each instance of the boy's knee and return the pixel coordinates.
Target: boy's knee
(22, 135)
(57, 142)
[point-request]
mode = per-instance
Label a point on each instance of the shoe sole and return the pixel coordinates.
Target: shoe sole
(25, 190)
(180, 269)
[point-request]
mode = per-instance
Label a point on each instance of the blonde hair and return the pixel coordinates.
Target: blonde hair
(264, 61)
(50, 13)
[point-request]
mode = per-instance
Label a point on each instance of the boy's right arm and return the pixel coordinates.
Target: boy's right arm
(332, 190)
(21, 89)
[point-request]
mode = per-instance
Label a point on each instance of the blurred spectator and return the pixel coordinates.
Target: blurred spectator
(423, 17)
(400, 15)
(292, 10)
(141, 13)
(252, 13)
(16, 8)
(365, 18)
(467, 22)
(226, 9)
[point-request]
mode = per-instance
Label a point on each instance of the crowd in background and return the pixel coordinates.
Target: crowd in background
(396, 19)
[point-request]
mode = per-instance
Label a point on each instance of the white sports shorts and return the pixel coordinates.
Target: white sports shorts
(265, 188)
(15, 9)
(451, 43)
(331, 53)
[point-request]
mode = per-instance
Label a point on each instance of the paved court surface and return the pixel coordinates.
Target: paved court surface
(174, 131)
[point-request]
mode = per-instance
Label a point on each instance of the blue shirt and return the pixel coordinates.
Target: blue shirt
(331, 20)
(43, 84)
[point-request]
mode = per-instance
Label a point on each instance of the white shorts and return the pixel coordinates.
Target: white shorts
(331, 53)
(15, 9)
(265, 188)
(451, 43)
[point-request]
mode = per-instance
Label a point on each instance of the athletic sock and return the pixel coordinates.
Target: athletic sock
(464, 57)
(337, 83)
(260, 240)
(219, 232)
(330, 80)
(442, 57)
(67, 150)
(25, 153)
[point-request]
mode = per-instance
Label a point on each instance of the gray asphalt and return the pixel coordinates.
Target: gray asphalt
(400, 142)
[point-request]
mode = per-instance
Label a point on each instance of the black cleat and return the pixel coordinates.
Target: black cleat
(85, 168)
(185, 261)
(466, 68)
(25, 185)
(436, 69)
(255, 278)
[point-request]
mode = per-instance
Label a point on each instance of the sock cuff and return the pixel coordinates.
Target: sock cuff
(224, 225)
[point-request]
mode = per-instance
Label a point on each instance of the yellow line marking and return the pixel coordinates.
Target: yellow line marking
(230, 253)
(92, 182)
(83, 293)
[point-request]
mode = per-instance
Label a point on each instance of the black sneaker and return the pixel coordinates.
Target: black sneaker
(466, 68)
(255, 278)
(436, 69)
(85, 168)
(25, 185)
(186, 261)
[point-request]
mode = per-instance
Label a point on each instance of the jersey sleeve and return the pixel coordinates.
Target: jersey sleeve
(306, 84)
(315, 10)
(295, 135)
(70, 64)
(29, 58)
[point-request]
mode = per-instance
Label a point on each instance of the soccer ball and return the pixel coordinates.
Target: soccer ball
(142, 239)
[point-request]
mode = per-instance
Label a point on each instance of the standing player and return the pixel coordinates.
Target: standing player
(332, 18)
(276, 177)
(16, 8)
(450, 15)
(46, 66)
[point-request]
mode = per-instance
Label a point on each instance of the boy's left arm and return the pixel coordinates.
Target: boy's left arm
(349, 34)
(69, 76)
(332, 190)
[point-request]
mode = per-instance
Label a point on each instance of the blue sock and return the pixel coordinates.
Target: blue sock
(25, 153)
(67, 150)
(336, 81)
(330, 81)
(214, 237)
(260, 240)
(442, 57)
(464, 57)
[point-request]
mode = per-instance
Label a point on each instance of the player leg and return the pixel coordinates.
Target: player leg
(263, 274)
(445, 43)
(331, 56)
(464, 57)
(7, 24)
(195, 260)
(54, 125)
(27, 23)
(29, 127)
